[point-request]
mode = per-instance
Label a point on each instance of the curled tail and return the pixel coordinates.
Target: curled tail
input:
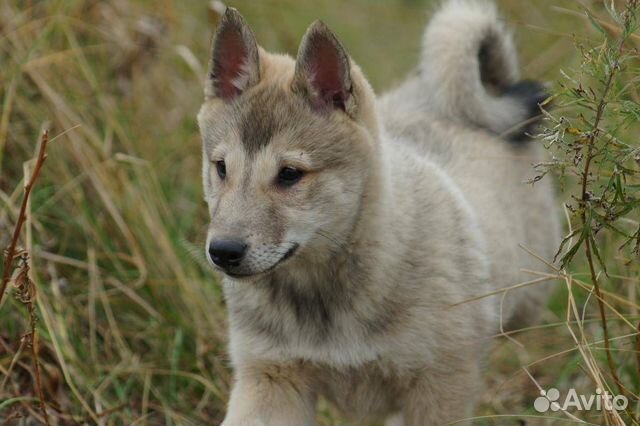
(470, 68)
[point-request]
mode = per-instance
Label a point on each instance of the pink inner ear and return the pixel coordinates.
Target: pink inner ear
(229, 62)
(327, 74)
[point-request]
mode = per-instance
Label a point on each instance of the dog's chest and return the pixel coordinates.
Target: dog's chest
(284, 312)
(287, 321)
(369, 391)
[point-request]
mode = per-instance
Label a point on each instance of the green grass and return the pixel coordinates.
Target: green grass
(132, 324)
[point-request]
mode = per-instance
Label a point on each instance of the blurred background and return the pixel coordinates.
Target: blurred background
(130, 320)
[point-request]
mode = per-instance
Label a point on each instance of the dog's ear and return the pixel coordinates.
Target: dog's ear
(323, 70)
(235, 63)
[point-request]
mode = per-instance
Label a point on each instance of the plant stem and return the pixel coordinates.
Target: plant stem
(10, 255)
(591, 140)
(22, 216)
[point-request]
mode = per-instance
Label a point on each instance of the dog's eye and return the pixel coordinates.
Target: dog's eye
(222, 169)
(289, 176)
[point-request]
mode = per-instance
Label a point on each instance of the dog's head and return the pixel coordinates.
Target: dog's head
(288, 148)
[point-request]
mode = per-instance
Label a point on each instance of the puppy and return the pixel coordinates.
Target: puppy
(363, 241)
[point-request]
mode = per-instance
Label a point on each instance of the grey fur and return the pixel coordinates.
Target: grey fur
(411, 209)
(469, 62)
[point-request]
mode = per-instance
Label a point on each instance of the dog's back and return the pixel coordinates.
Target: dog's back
(468, 112)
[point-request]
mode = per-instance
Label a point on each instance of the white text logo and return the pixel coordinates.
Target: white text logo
(550, 400)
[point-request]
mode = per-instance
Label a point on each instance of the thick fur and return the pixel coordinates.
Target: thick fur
(363, 283)
(470, 70)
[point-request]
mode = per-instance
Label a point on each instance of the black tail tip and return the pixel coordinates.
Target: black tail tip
(531, 94)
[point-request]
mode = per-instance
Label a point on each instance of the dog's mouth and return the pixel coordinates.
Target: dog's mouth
(249, 274)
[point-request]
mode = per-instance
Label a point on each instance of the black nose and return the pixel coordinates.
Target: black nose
(227, 253)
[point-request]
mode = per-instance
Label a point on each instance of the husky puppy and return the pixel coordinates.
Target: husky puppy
(359, 237)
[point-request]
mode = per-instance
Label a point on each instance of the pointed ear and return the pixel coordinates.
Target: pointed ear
(234, 65)
(323, 70)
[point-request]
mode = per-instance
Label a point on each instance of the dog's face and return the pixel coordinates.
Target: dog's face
(285, 159)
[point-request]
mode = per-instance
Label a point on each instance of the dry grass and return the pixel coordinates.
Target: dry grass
(131, 323)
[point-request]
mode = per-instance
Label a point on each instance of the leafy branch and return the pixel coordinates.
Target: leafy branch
(591, 148)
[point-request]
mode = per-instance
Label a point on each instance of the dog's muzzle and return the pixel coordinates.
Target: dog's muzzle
(235, 258)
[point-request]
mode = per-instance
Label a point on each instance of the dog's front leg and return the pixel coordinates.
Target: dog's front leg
(268, 394)
(443, 396)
